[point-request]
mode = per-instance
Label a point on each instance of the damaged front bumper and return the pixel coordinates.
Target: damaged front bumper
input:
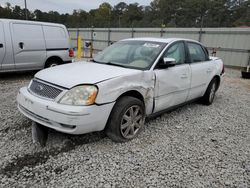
(63, 118)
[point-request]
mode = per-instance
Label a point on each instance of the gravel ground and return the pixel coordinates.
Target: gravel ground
(193, 146)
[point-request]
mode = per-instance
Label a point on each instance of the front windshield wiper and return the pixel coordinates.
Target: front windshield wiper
(108, 63)
(93, 60)
(114, 64)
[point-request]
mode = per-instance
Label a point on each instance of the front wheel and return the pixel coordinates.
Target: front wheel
(126, 119)
(208, 97)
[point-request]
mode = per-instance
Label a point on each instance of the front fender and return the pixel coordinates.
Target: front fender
(143, 82)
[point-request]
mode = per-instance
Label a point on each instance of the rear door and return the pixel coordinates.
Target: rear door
(29, 45)
(201, 70)
(56, 37)
(57, 41)
(173, 83)
(2, 44)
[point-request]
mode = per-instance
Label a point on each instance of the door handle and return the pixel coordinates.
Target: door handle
(183, 76)
(21, 44)
(1, 45)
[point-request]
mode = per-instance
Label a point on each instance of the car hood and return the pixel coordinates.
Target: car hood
(72, 74)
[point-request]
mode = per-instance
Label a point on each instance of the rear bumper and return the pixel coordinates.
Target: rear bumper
(63, 118)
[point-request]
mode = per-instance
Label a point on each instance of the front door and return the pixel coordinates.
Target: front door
(2, 44)
(29, 45)
(173, 83)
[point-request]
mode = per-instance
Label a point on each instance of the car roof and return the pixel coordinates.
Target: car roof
(28, 21)
(163, 40)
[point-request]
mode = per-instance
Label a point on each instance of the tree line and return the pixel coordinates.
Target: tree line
(160, 13)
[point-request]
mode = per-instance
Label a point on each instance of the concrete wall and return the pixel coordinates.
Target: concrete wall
(231, 44)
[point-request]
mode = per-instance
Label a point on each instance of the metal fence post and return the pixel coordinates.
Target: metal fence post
(109, 32)
(200, 34)
(77, 35)
(92, 37)
(161, 32)
(132, 32)
(248, 63)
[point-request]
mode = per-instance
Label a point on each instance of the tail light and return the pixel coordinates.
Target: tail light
(71, 52)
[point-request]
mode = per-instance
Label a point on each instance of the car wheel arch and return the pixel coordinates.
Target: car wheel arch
(53, 58)
(218, 80)
(132, 93)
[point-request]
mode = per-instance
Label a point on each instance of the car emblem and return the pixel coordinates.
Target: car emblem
(39, 88)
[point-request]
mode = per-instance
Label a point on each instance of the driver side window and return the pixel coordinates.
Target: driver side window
(177, 52)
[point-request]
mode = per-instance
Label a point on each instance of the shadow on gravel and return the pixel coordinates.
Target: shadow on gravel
(5, 130)
(72, 141)
(17, 75)
(25, 124)
(40, 157)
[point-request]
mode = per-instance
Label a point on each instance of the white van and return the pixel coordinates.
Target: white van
(29, 45)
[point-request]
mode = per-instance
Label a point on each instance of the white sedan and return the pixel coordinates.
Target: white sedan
(127, 82)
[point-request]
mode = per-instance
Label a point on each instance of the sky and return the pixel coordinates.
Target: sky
(67, 6)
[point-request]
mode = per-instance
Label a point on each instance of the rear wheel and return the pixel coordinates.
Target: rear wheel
(52, 63)
(126, 119)
(208, 97)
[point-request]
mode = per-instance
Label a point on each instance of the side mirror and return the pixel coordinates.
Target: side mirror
(167, 62)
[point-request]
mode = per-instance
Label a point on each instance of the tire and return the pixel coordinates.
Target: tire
(52, 63)
(126, 119)
(209, 95)
(245, 74)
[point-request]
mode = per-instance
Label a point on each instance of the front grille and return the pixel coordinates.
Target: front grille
(44, 90)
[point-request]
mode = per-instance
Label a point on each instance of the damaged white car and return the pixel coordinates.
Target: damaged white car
(128, 81)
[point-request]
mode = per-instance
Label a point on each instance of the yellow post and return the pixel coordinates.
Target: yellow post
(79, 47)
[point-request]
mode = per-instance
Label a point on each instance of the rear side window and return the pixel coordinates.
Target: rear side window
(196, 52)
(54, 32)
(27, 31)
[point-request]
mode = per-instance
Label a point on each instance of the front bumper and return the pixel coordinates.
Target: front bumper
(63, 118)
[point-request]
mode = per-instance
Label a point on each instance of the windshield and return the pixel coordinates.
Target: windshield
(131, 54)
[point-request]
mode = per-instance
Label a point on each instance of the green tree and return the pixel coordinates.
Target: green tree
(103, 15)
(241, 13)
(133, 14)
(169, 13)
(118, 14)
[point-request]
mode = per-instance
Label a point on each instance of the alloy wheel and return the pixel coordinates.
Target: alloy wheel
(132, 121)
(212, 93)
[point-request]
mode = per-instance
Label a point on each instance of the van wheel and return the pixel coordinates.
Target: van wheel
(208, 97)
(126, 119)
(51, 63)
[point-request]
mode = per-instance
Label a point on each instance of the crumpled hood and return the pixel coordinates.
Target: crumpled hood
(72, 74)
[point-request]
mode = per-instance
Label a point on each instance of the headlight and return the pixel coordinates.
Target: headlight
(81, 95)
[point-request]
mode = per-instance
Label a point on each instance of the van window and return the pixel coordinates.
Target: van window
(27, 31)
(53, 32)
